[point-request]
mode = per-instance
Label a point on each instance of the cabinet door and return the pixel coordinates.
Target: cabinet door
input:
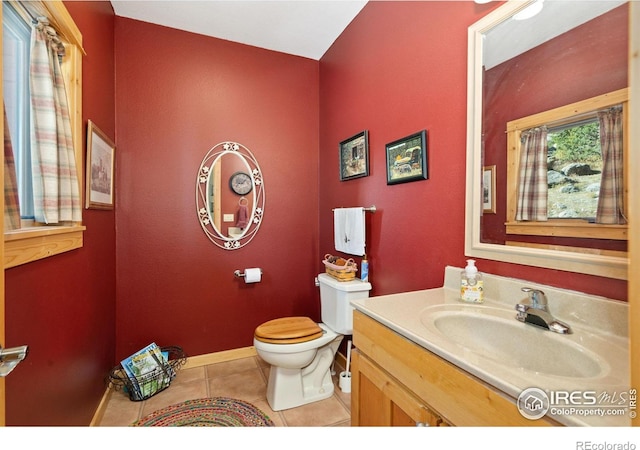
(377, 399)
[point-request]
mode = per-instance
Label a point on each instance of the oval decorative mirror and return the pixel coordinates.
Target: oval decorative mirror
(230, 195)
(512, 77)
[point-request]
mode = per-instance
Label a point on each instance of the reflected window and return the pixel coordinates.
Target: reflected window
(574, 163)
(580, 199)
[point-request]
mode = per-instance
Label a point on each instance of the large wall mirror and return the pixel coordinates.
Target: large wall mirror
(230, 195)
(564, 54)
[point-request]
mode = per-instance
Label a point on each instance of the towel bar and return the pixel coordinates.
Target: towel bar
(370, 209)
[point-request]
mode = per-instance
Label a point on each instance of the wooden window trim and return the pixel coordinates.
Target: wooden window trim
(31, 244)
(37, 242)
(576, 228)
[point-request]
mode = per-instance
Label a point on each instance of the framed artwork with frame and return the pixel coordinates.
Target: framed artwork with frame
(407, 159)
(354, 156)
(489, 189)
(100, 169)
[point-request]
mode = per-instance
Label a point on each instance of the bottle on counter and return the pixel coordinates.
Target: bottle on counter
(364, 269)
(471, 284)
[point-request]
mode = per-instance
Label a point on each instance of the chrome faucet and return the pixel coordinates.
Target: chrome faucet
(534, 310)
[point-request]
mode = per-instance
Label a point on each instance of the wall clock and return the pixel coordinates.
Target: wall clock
(241, 183)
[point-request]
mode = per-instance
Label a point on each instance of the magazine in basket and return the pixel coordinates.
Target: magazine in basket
(148, 370)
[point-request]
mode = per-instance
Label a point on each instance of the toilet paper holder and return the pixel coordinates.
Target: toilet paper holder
(239, 274)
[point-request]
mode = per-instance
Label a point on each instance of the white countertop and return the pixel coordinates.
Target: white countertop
(402, 313)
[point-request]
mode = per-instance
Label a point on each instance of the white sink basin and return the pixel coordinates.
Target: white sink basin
(495, 334)
(488, 342)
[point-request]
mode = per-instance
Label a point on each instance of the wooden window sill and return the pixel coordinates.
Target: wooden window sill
(34, 243)
(569, 229)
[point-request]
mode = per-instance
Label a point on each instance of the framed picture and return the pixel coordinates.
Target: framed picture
(354, 156)
(489, 189)
(100, 169)
(407, 159)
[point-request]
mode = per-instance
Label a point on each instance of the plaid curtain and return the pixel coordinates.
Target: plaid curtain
(55, 181)
(532, 187)
(611, 201)
(11, 202)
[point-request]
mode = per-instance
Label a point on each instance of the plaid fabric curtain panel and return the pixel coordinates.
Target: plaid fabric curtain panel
(611, 201)
(55, 181)
(532, 185)
(11, 201)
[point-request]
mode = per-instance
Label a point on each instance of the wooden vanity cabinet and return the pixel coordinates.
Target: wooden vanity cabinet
(382, 400)
(395, 382)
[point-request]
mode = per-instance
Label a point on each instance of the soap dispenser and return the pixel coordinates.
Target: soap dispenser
(471, 285)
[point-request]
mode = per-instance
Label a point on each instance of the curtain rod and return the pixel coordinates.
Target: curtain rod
(57, 15)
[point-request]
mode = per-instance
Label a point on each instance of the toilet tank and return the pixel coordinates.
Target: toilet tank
(337, 312)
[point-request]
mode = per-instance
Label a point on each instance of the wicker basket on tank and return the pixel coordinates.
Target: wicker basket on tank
(339, 268)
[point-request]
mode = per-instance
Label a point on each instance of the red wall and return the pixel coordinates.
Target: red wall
(401, 67)
(63, 306)
(178, 94)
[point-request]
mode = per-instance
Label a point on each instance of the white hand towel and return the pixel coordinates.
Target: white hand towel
(349, 230)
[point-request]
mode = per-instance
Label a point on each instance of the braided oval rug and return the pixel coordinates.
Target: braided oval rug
(207, 412)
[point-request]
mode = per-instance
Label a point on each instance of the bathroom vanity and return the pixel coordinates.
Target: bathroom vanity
(418, 388)
(425, 358)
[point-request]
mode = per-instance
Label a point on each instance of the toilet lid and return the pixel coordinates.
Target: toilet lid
(288, 330)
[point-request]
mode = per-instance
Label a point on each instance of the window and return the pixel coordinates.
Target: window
(574, 162)
(572, 131)
(34, 241)
(16, 34)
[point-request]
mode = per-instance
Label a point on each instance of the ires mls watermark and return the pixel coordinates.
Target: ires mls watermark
(534, 403)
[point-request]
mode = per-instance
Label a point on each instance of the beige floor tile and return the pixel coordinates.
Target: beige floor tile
(234, 367)
(120, 410)
(261, 362)
(318, 414)
(248, 385)
(188, 375)
(345, 398)
(265, 371)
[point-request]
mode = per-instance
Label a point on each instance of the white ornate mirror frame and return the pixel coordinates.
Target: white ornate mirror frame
(210, 188)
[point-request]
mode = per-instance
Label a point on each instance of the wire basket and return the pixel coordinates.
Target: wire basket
(148, 385)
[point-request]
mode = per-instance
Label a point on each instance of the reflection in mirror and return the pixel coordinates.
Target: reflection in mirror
(516, 73)
(230, 195)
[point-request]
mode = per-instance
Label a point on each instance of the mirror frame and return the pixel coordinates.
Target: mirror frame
(592, 264)
(205, 172)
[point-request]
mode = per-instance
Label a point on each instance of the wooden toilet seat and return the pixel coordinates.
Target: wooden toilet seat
(288, 330)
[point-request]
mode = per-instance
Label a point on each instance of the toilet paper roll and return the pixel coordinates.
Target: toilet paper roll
(253, 275)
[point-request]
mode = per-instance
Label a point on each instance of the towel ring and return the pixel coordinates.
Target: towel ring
(246, 202)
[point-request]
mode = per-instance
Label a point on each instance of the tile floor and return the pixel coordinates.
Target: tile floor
(244, 379)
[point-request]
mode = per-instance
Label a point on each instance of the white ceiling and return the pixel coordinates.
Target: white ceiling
(309, 27)
(299, 27)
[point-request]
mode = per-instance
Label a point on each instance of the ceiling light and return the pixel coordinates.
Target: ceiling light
(482, 2)
(529, 11)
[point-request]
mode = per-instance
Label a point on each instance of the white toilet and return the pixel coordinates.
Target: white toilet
(301, 352)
